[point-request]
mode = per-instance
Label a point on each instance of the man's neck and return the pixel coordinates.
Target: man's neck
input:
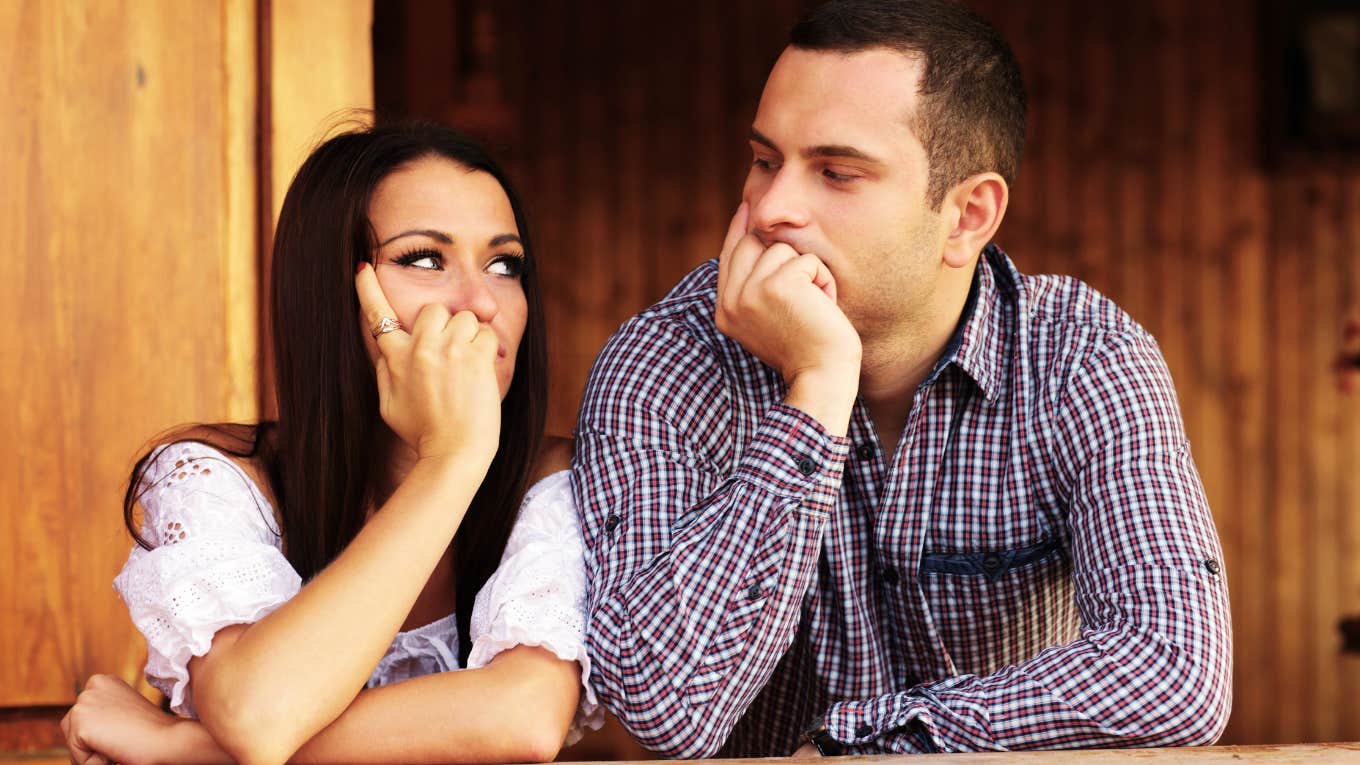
(895, 365)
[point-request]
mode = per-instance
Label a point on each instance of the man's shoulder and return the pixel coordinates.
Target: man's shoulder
(690, 300)
(686, 311)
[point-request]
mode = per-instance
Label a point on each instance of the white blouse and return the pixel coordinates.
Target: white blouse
(216, 560)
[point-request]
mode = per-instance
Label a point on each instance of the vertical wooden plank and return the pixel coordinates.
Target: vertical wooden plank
(130, 188)
(124, 251)
(1289, 513)
(242, 209)
(320, 69)
(1348, 539)
(1248, 360)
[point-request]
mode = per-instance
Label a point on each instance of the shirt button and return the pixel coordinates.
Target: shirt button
(754, 592)
(890, 577)
(806, 467)
(611, 523)
(863, 731)
(1212, 566)
(991, 563)
(865, 452)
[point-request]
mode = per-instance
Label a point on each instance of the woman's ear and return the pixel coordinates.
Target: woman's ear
(978, 204)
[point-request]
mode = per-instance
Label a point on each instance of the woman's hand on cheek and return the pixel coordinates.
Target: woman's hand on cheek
(437, 386)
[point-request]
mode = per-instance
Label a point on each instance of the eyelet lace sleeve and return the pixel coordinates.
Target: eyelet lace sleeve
(537, 596)
(215, 561)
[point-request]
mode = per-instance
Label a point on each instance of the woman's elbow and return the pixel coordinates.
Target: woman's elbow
(538, 744)
(246, 728)
(542, 710)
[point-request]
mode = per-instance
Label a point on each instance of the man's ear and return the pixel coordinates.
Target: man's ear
(977, 206)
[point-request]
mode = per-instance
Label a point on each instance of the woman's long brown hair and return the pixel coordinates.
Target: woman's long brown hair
(320, 456)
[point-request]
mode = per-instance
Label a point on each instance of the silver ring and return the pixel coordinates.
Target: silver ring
(385, 325)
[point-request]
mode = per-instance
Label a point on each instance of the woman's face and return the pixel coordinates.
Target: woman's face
(447, 235)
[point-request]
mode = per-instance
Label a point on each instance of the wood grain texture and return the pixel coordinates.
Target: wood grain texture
(132, 204)
(117, 213)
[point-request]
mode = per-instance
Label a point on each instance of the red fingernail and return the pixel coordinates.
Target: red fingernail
(359, 269)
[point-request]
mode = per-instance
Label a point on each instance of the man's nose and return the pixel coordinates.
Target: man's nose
(781, 202)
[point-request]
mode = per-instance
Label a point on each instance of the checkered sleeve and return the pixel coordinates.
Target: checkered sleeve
(1153, 664)
(703, 538)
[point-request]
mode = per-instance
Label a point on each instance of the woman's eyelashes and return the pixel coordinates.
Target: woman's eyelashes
(424, 257)
(511, 264)
(508, 264)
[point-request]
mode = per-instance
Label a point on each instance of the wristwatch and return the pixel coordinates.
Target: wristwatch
(819, 737)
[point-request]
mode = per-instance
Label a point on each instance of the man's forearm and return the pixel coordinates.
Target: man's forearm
(683, 644)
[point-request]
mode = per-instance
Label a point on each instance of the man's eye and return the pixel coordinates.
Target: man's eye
(763, 164)
(832, 175)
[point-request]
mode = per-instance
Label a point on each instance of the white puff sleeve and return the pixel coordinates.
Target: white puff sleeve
(537, 596)
(215, 561)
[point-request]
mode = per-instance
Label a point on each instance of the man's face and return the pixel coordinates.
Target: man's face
(838, 173)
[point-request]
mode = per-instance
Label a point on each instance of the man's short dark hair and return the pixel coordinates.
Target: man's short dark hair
(971, 117)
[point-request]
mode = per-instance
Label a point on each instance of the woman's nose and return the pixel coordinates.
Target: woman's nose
(470, 292)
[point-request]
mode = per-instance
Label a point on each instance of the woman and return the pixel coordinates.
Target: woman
(409, 423)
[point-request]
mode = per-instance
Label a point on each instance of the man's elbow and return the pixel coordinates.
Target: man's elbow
(1195, 716)
(1207, 685)
(687, 736)
(1208, 717)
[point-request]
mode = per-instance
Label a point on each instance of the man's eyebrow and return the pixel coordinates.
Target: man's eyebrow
(761, 139)
(439, 236)
(828, 150)
(842, 152)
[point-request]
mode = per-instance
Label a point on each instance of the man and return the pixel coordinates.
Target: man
(861, 480)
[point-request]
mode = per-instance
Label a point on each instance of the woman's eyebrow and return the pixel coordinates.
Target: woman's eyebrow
(500, 239)
(431, 233)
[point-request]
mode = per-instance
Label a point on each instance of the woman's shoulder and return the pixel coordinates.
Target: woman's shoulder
(195, 479)
(548, 507)
(195, 452)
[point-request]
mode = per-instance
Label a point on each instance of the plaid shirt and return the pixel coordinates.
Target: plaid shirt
(1036, 566)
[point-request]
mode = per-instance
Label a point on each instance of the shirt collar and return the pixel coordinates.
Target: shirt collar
(978, 346)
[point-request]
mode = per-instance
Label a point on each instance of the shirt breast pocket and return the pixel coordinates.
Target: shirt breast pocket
(998, 607)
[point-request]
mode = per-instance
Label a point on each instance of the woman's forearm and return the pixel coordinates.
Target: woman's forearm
(517, 709)
(266, 688)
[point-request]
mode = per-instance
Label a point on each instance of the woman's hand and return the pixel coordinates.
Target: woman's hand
(437, 386)
(112, 722)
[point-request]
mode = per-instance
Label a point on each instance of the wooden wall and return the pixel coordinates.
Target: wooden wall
(131, 211)
(145, 153)
(625, 125)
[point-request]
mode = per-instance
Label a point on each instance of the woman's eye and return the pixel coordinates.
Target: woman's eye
(506, 265)
(428, 260)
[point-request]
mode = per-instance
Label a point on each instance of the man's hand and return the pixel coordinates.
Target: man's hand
(781, 306)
